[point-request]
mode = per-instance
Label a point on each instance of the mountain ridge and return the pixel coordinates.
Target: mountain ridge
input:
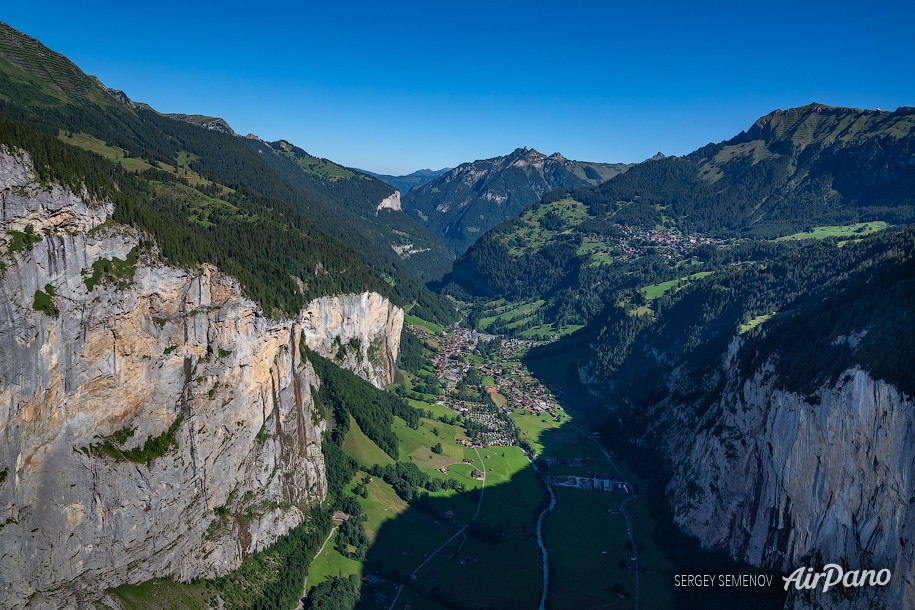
(463, 203)
(45, 91)
(409, 181)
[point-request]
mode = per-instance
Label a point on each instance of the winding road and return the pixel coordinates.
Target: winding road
(456, 534)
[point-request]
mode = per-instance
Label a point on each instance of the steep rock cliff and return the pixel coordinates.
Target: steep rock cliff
(783, 480)
(153, 421)
(360, 332)
(391, 202)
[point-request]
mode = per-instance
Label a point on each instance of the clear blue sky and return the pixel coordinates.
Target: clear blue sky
(396, 86)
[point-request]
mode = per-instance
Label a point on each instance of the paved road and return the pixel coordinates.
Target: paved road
(456, 534)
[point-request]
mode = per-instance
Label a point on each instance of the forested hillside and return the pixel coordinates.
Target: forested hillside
(814, 165)
(410, 181)
(809, 172)
(354, 202)
(813, 312)
(208, 181)
(464, 203)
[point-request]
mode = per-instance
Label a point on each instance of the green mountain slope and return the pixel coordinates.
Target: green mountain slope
(815, 165)
(405, 183)
(464, 203)
(655, 227)
(206, 175)
(791, 310)
(362, 203)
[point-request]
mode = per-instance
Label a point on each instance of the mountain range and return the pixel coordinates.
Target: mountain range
(465, 202)
(211, 346)
(411, 180)
(210, 169)
(791, 171)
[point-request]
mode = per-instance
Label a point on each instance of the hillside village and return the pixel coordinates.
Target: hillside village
(466, 357)
(635, 241)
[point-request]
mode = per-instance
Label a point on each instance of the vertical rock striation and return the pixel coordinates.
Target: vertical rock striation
(358, 331)
(153, 421)
(784, 480)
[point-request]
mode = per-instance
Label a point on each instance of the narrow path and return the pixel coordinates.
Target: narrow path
(305, 581)
(628, 499)
(460, 531)
(456, 534)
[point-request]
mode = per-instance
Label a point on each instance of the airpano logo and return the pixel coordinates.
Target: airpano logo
(834, 575)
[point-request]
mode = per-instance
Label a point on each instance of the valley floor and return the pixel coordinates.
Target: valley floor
(506, 440)
(597, 537)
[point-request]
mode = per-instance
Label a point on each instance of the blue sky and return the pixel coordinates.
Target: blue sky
(398, 86)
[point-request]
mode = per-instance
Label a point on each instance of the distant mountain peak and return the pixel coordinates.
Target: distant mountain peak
(424, 173)
(469, 200)
(657, 156)
(815, 122)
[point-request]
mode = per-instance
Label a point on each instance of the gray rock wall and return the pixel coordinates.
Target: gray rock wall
(134, 356)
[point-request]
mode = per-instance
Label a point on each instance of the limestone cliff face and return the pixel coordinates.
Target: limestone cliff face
(782, 481)
(358, 331)
(391, 202)
(86, 501)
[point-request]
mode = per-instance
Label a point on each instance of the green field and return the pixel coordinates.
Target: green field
(550, 330)
(516, 314)
(429, 326)
(655, 291)
(549, 437)
(498, 400)
(505, 574)
(533, 234)
(513, 491)
(162, 593)
(135, 164)
(505, 311)
(473, 571)
(415, 445)
(753, 323)
(856, 230)
(401, 536)
(331, 563)
(585, 544)
(437, 410)
(362, 448)
(99, 147)
(381, 506)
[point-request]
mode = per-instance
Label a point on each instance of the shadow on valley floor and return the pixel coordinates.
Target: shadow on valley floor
(478, 549)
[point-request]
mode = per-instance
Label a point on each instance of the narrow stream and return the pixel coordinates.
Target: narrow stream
(546, 570)
(543, 552)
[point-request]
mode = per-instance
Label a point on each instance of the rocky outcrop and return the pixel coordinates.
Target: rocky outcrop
(391, 202)
(25, 202)
(360, 332)
(207, 122)
(153, 421)
(782, 480)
